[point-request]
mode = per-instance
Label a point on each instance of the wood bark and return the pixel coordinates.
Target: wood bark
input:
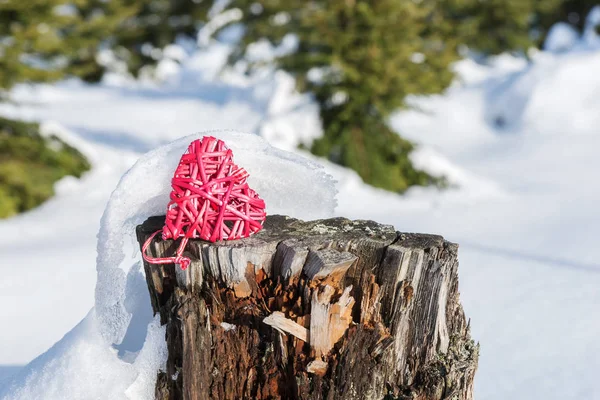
(328, 309)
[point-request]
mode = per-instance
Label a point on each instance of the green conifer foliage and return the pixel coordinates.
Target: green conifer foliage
(43, 40)
(496, 26)
(369, 56)
(360, 59)
(30, 165)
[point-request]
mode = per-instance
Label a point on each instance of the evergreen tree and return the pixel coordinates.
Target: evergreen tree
(496, 26)
(43, 40)
(30, 164)
(370, 56)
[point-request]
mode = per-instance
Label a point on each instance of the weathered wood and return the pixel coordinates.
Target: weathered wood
(329, 309)
(329, 320)
(285, 325)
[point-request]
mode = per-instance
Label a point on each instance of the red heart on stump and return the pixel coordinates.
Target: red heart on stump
(210, 200)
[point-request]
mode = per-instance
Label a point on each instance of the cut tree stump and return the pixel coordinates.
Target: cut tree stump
(328, 309)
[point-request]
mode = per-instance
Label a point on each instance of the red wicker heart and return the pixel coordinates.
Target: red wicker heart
(210, 200)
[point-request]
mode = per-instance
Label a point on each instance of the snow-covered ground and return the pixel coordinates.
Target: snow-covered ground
(519, 141)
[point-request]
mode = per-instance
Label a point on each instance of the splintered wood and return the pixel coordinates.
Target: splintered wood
(329, 321)
(284, 325)
(329, 309)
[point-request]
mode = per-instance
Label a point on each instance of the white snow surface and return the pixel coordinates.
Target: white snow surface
(81, 366)
(517, 139)
(561, 37)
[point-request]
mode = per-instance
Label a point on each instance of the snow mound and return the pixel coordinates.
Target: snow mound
(561, 37)
(288, 183)
(565, 82)
(591, 35)
(81, 366)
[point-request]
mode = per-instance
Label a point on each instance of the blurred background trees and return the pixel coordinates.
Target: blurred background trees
(45, 40)
(359, 59)
(30, 164)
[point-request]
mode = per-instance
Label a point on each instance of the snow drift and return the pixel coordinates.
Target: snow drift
(116, 351)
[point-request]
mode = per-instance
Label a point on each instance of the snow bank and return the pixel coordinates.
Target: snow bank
(288, 183)
(81, 366)
(591, 36)
(116, 351)
(291, 118)
(561, 37)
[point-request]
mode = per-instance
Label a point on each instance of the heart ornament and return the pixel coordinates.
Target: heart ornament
(210, 200)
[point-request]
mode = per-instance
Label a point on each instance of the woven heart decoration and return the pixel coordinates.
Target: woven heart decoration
(210, 200)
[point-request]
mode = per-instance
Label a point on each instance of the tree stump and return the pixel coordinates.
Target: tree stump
(328, 309)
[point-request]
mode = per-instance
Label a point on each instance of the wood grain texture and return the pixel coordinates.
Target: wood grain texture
(379, 310)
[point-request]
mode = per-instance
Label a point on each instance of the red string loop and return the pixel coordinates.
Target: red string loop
(179, 259)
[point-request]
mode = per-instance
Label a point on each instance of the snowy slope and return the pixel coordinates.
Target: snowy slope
(517, 139)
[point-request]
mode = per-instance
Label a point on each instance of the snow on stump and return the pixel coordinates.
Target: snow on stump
(327, 309)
